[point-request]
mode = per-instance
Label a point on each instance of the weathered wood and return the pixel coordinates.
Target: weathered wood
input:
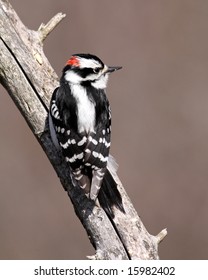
(30, 80)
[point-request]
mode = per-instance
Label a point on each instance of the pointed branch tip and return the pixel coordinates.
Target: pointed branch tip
(91, 257)
(161, 235)
(45, 29)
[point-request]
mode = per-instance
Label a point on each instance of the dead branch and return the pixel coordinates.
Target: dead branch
(30, 80)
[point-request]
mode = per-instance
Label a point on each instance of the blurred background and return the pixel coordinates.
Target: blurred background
(160, 127)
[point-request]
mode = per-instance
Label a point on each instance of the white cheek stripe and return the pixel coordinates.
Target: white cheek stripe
(72, 77)
(101, 82)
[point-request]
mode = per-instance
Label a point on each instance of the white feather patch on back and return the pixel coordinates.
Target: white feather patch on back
(85, 109)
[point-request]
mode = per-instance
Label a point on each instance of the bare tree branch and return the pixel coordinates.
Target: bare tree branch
(30, 80)
(46, 29)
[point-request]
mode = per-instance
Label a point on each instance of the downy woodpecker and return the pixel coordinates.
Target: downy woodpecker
(80, 123)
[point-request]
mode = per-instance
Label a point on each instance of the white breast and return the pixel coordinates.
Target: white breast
(85, 109)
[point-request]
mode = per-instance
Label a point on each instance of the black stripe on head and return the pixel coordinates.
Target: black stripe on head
(84, 72)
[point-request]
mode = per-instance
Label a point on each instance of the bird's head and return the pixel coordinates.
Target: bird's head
(87, 69)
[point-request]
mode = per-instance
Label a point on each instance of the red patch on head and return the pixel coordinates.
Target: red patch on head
(73, 61)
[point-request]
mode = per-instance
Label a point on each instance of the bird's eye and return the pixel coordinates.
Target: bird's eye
(96, 70)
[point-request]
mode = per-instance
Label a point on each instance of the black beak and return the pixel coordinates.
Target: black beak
(113, 68)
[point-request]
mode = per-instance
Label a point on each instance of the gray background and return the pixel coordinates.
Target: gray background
(160, 127)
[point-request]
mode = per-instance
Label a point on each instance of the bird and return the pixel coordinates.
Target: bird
(80, 126)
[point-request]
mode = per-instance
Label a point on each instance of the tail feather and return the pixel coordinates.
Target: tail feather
(112, 165)
(109, 195)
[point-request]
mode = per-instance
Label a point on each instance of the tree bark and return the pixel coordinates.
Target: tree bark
(30, 80)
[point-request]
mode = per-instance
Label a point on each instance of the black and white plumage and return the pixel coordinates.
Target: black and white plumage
(80, 123)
